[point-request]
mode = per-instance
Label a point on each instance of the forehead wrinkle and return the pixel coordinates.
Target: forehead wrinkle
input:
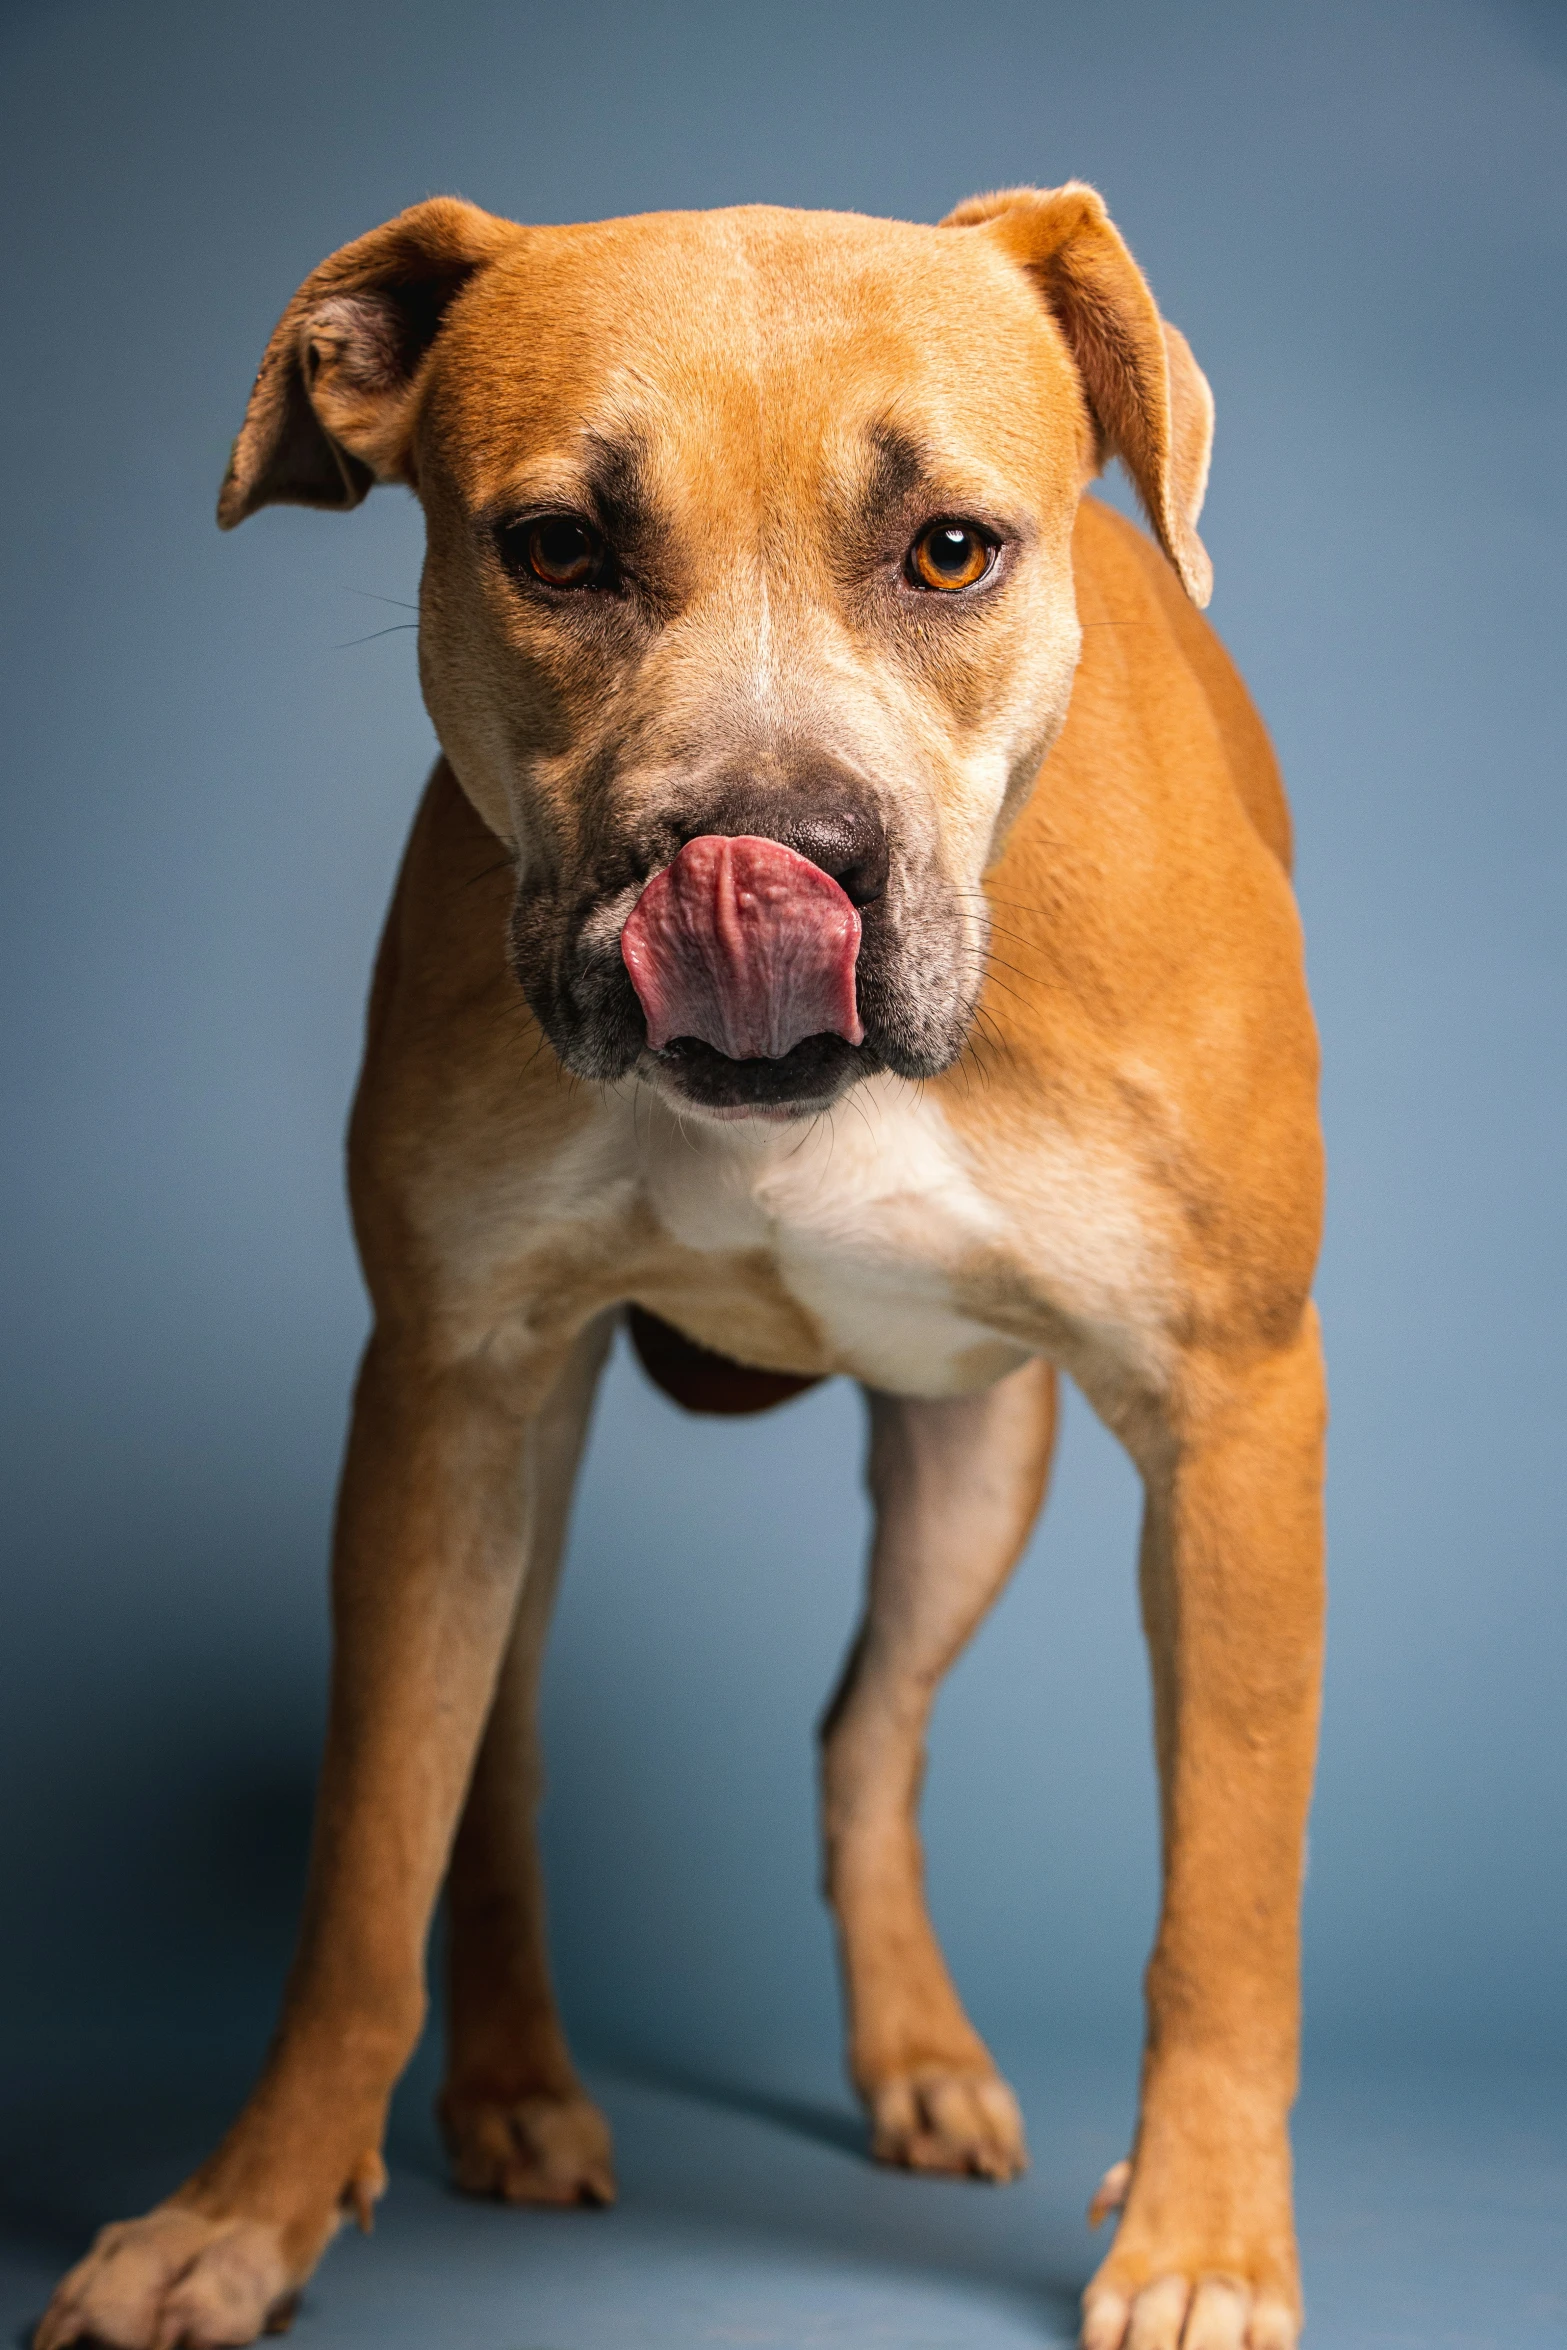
(615, 476)
(892, 470)
(683, 440)
(606, 477)
(899, 466)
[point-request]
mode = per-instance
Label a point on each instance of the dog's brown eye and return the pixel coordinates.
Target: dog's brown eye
(950, 555)
(564, 554)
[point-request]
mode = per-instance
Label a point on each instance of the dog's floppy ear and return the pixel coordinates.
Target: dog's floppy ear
(1149, 398)
(334, 402)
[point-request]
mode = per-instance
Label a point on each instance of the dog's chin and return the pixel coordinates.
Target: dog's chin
(801, 1083)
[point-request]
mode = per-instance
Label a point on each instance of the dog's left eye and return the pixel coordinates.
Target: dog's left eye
(556, 549)
(949, 556)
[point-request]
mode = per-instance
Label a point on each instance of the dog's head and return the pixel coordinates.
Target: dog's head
(748, 613)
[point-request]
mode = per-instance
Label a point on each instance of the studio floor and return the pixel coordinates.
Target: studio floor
(1433, 2213)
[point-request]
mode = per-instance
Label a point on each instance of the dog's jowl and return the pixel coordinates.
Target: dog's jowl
(809, 739)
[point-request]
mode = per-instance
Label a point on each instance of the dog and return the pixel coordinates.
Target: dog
(812, 744)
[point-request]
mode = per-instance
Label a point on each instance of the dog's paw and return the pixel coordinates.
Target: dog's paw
(1191, 2286)
(1188, 2309)
(965, 2124)
(174, 2281)
(530, 2149)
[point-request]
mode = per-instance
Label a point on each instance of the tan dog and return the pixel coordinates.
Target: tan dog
(780, 669)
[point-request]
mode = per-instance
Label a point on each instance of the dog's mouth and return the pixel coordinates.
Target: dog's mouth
(742, 955)
(743, 978)
(809, 1077)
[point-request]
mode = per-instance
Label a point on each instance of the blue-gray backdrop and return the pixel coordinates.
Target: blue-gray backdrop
(1356, 210)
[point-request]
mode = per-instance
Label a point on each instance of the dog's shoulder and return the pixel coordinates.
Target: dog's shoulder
(459, 1095)
(1125, 583)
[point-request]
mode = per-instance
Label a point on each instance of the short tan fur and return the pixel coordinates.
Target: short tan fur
(1082, 1135)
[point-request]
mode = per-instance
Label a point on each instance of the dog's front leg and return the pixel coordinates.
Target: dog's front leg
(957, 1485)
(515, 2116)
(1233, 1605)
(440, 1487)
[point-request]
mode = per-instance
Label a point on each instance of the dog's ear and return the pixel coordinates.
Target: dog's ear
(1149, 399)
(333, 408)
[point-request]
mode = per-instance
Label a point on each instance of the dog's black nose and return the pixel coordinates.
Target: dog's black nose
(822, 813)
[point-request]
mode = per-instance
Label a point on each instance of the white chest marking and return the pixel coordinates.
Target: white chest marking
(871, 1214)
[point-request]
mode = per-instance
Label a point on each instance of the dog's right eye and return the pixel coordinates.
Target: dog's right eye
(556, 549)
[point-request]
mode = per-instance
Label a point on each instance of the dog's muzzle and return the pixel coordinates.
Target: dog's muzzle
(746, 946)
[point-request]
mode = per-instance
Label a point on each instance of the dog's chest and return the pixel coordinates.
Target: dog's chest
(920, 1268)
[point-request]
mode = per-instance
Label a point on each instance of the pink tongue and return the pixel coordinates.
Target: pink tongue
(746, 945)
